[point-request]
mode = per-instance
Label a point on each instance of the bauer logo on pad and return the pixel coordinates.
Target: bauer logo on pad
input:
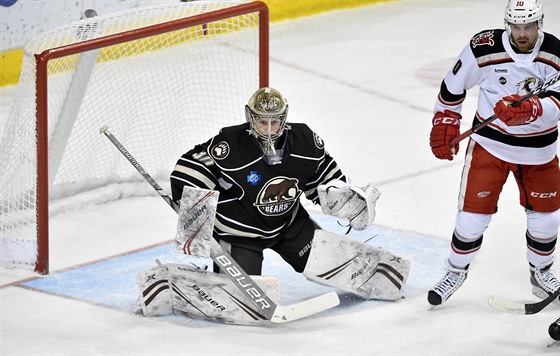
(196, 221)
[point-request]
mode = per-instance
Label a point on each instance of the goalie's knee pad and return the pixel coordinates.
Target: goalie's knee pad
(355, 267)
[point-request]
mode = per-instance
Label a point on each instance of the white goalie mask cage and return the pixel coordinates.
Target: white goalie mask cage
(267, 105)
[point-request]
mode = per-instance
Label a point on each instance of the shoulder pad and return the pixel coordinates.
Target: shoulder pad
(550, 51)
(487, 42)
(231, 129)
(305, 134)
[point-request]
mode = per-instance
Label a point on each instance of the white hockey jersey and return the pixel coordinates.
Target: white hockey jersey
(490, 62)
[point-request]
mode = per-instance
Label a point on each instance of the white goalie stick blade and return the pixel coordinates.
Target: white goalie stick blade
(272, 311)
(513, 307)
(286, 313)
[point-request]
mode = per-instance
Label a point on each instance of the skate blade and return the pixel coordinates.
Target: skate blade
(539, 292)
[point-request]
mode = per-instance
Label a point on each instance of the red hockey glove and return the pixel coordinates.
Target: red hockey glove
(446, 128)
(522, 113)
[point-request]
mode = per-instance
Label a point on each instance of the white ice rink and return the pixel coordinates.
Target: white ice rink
(366, 80)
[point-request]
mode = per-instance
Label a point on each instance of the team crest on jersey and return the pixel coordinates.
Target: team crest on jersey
(527, 85)
(318, 141)
(278, 196)
(483, 39)
(220, 150)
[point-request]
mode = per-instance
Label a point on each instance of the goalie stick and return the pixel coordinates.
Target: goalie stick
(510, 306)
(272, 311)
(479, 125)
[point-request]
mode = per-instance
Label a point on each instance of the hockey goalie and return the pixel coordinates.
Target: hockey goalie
(243, 187)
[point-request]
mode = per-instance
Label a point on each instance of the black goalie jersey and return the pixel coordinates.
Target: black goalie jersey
(257, 200)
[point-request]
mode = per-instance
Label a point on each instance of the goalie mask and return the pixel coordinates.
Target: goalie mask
(266, 114)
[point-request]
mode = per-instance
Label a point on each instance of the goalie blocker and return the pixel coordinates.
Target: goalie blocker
(197, 212)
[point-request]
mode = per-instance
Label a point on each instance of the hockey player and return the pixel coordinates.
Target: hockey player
(261, 169)
(505, 65)
(242, 188)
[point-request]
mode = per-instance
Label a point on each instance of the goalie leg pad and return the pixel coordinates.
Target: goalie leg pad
(200, 294)
(197, 212)
(155, 291)
(355, 267)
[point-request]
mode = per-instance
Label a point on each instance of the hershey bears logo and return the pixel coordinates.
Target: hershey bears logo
(278, 196)
(220, 150)
(318, 141)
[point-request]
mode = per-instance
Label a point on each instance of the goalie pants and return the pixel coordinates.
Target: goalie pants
(293, 245)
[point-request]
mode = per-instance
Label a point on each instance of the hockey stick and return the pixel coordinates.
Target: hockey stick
(510, 306)
(479, 125)
(271, 311)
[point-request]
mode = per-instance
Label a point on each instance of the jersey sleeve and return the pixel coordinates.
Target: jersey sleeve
(550, 101)
(326, 170)
(464, 75)
(550, 54)
(193, 169)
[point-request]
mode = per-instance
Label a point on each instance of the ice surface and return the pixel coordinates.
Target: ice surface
(365, 79)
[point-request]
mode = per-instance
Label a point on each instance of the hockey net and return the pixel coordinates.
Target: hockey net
(163, 78)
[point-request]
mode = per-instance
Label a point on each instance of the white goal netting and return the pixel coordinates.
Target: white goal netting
(160, 95)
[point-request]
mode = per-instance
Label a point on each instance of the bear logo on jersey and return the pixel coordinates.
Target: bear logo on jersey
(278, 196)
(220, 150)
(318, 141)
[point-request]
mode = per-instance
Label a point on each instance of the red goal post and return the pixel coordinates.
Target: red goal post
(104, 97)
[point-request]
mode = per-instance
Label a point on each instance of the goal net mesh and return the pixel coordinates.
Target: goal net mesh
(160, 95)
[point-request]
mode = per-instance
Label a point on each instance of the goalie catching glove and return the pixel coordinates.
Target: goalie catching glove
(357, 204)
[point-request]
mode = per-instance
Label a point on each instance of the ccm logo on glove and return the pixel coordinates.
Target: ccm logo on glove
(445, 128)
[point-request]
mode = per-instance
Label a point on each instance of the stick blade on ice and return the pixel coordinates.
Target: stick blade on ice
(511, 306)
(287, 313)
